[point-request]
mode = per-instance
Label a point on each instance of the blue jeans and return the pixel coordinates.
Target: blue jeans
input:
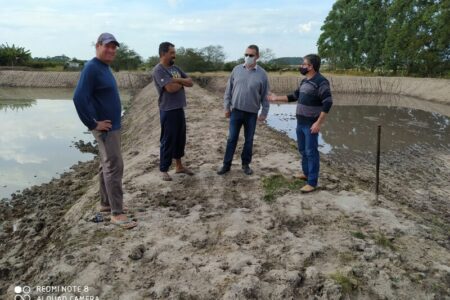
(237, 119)
(308, 144)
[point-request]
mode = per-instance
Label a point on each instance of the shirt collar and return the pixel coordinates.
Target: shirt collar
(254, 68)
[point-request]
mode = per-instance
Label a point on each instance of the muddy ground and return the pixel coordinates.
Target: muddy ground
(236, 236)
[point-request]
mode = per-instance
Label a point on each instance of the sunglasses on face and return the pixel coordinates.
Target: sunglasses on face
(251, 55)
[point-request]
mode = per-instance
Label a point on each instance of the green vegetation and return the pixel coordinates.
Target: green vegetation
(278, 185)
(346, 257)
(381, 240)
(126, 59)
(348, 283)
(13, 56)
(404, 37)
(358, 235)
(56, 63)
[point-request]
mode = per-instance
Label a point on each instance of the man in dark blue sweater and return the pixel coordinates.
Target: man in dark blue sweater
(313, 104)
(98, 105)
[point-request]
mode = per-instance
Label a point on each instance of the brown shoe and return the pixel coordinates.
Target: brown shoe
(307, 189)
(300, 176)
(165, 176)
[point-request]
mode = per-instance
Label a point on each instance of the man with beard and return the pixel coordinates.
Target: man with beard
(170, 82)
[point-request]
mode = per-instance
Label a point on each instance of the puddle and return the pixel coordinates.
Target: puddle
(352, 128)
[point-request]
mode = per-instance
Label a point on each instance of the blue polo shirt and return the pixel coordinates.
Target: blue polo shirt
(96, 96)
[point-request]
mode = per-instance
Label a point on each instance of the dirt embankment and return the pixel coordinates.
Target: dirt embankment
(230, 237)
(125, 80)
(429, 89)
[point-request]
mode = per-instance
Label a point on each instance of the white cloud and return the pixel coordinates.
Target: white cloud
(19, 156)
(142, 25)
(174, 3)
(307, 27)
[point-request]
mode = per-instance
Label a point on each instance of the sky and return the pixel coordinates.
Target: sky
(56, 27)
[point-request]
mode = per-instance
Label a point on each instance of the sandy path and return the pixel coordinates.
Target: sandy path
(212, 237)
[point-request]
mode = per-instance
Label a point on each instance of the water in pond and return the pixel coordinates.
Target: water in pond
(37, 135)
(353, 128)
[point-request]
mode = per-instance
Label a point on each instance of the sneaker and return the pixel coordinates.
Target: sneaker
(223, 170)
(247, 170)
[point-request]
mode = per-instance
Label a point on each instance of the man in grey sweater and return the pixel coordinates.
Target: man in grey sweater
(246, 92)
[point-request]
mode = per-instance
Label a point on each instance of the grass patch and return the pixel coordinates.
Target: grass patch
(381, 240)
(347, 283)
(440, 225)
(277, 185)
(346, 257)
(358, 235)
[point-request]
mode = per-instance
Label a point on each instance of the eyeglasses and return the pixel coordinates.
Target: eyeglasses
(251, 55)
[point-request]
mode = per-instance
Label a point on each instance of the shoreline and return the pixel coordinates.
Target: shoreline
(43, 79)
(216, 237)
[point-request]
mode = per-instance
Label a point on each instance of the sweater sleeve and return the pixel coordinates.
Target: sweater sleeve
(264, 101)
(83, 98)
(325, 96)
(294, 96)
(228, 93)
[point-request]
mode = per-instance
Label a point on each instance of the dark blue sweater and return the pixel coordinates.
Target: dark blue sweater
(313, 96)
(96, 96)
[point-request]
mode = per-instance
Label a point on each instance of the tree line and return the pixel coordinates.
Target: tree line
(400, 37)
(206, 59)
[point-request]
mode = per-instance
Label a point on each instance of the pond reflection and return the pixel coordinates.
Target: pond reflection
(354, 127)
(36, 142)
(38, 127)
(16, 104)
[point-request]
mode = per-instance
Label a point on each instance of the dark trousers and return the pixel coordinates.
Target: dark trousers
(110, 170)
(173, 137)
(238, 119)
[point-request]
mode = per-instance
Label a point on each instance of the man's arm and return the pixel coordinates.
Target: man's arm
(227, 96)
(286, 98)
(187, 82)
(315, 128)
(82, 98)
(274, 98)
(265, 101)
(325, 96)
(177, 84)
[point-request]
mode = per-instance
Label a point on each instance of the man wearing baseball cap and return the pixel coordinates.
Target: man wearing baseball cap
(98, 105)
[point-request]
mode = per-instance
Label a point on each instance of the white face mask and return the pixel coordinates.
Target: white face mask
(249, 60)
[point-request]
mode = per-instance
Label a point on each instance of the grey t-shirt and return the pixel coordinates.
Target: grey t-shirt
(162, 76)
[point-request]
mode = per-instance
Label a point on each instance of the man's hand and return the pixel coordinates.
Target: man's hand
(103, 125)
(227, 114)
(262, 118)
(272, 97)
(187, 82)
(315, 128)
